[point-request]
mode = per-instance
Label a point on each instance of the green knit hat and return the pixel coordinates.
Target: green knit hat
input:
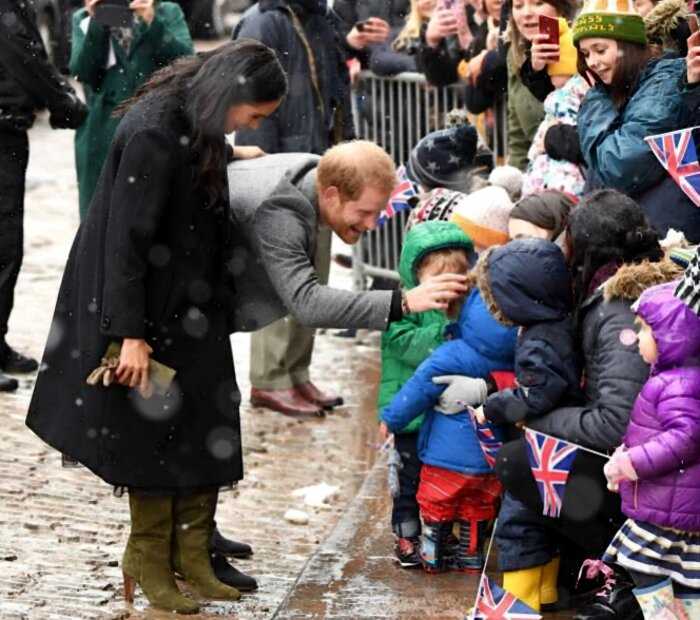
(610, 19)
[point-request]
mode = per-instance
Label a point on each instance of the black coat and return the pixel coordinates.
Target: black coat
(305, 122)
(527, 283)
(146, 263)
(614, 370)
(28, 81)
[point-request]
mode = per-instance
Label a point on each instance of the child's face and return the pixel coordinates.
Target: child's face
(431, 270)
(646, 342)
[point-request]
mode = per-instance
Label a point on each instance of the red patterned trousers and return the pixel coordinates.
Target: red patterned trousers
(445, 495)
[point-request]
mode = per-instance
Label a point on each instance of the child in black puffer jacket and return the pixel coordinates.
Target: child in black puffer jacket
(527, 283)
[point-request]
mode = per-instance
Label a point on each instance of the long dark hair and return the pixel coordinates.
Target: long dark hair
(608, 227)
(207, 85)
(632, 58)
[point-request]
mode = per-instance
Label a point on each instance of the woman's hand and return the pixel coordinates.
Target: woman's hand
(442, 24)
(247, 152)
(693, 58)
(475, 65)
(542, 53)
(143, 9)
(133, 364)
(384, 433)
(436, 292)
(375, 30)
(90, 6)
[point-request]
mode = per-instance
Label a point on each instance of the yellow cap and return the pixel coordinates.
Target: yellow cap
(566, 65)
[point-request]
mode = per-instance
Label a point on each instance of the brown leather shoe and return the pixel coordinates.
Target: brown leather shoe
(310, 392)
(289, 402)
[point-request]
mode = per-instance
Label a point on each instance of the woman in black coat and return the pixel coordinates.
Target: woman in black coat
(147, 271)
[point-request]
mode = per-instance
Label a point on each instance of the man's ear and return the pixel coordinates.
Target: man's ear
(330, 194)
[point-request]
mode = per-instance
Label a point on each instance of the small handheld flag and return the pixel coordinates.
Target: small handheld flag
(490, 444)
(495, 603)
(550, 460)
(403, 197)
(677, 153)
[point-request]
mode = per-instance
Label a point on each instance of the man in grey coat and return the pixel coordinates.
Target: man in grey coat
(278, 204)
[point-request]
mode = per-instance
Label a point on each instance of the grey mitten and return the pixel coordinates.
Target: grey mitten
(461, 392)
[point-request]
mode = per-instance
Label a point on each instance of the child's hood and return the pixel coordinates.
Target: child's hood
(676, 327)
(482, 332)
(425, 238)
(525, 282)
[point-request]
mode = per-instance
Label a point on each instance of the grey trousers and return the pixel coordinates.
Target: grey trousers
(280, 354)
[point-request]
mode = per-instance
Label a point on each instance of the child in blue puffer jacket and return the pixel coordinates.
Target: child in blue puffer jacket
(456, 481)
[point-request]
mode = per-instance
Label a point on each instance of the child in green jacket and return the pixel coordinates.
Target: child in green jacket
(429, 249)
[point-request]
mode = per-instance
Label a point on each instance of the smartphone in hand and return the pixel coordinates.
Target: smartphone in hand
(459, 10)
(550, 27)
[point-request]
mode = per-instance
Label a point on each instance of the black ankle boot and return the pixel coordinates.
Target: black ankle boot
(470, 555)
(433, 546)
(614, 601)
(13, 362)
(231, 576)
(8, 384)
(228, 547)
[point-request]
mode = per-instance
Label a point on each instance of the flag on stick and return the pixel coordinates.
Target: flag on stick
(490, 444)
(403, 197)
(495, 603)
(676, 152)
(550, 460)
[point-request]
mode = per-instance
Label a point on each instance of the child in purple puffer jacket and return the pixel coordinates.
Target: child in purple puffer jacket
(658, 467)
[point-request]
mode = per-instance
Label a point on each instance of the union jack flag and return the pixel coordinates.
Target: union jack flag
(550, 460)
(490, 444)
(676, 153)
(494, 603)
(402, 198)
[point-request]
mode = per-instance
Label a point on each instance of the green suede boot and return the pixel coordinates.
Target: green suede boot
(147, 555)
(194, 524)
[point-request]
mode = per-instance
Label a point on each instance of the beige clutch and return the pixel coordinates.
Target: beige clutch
(160, 376)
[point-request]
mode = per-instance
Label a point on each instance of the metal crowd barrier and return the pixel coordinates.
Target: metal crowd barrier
(396, 112)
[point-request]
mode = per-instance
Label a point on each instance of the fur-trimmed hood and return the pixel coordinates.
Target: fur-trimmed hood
(525, 282)
(631, 280)
(664, 18)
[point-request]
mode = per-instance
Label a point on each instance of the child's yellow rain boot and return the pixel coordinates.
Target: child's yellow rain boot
(548, 586)
(525, 584)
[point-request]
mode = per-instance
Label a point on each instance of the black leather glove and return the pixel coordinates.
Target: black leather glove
(70, 115)
(561, 142)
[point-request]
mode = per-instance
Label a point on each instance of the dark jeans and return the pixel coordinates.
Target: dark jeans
(589, 519)
(405, 516)
(14, 155)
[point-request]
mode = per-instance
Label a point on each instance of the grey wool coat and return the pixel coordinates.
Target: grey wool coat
(275, 222)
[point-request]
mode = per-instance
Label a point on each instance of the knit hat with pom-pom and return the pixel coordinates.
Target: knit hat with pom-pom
(442, 158)
(610, 19)
(483, 215)
(509, 178)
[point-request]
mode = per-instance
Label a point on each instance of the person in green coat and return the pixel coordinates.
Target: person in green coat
(111, 63)
(429, 249)
(525, 111)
